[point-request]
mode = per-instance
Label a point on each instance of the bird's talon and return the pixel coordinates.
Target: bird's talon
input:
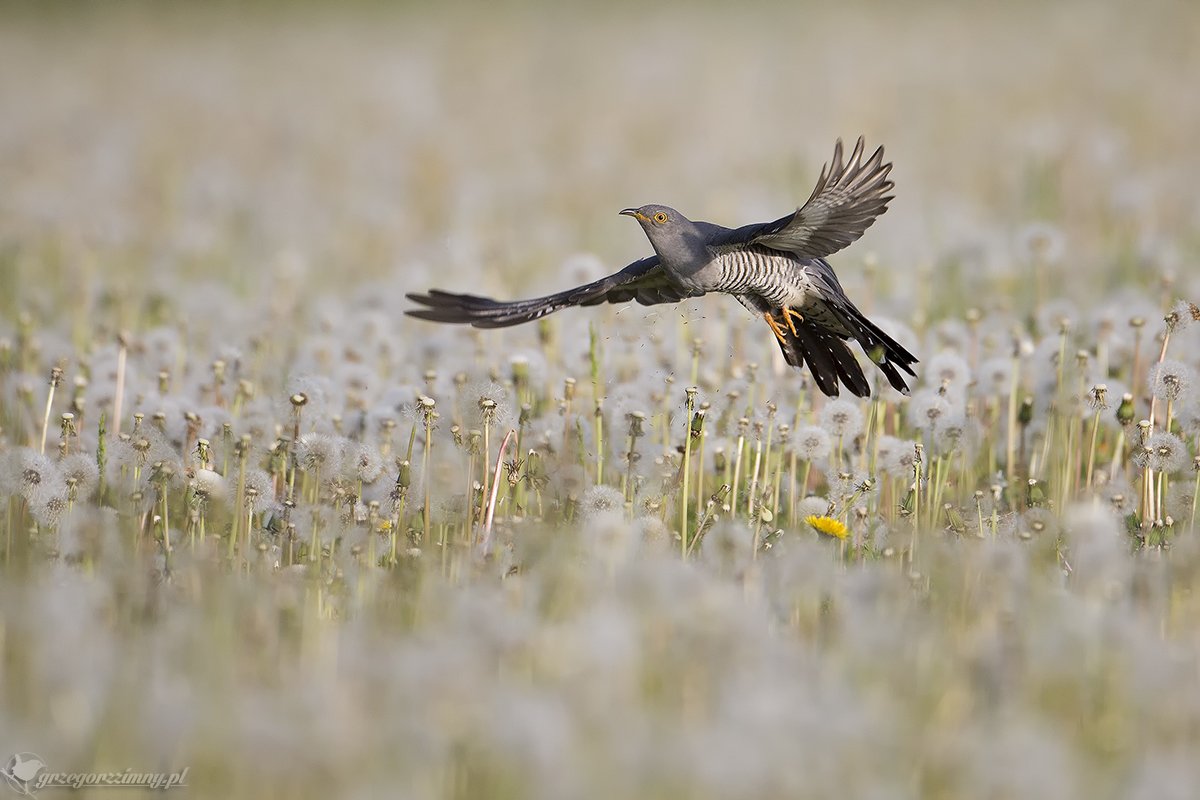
(788, 315)
(776, 328)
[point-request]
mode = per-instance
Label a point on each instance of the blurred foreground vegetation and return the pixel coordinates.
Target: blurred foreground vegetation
(246, 503)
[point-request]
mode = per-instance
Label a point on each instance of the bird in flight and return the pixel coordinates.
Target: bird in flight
(776, 269)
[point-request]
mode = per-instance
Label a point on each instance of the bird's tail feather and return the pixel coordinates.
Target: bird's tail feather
(829, 360)
(888, 354)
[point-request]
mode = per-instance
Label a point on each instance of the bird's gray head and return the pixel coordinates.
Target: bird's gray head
(674, 236)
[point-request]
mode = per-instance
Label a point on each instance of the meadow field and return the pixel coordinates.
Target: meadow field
(257, 524)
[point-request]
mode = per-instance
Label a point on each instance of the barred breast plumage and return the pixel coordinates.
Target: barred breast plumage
(776, 277)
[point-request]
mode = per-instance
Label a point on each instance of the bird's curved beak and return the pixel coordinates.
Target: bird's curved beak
(632, 212)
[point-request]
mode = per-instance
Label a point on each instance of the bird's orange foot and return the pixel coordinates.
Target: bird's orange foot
(789, 315)
(776, 328)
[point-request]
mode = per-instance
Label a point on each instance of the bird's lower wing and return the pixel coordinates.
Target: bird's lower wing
(845, 202)
(643, 281)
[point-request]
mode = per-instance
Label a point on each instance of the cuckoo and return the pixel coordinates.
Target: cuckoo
(776, 269)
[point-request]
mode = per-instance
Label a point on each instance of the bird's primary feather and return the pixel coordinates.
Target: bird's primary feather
(847, 199)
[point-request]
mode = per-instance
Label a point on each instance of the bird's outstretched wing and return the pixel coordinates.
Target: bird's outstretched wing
(643, 281)
(848, 197)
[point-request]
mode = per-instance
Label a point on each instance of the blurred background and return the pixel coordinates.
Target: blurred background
(486, 143)
(253, 187)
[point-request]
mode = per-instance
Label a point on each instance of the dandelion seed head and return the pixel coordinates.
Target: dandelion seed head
(601, 499)
(623, 401)
(928, 409)
(1165, 452)
(895, 457)
(48, 503)
(490, 402)
(1170, 379)
(81, 469)
(363, 462)
(812, 443)
(263, 496)
(948, 369)
(23, 470)
(318, 400)
(1182, 315)
(995, 376)
(842, 418)
(208, 483)
(321, 453)
(953, 431)
(166, 421)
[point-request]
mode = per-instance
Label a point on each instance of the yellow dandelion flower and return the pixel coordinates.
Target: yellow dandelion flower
(828, 526)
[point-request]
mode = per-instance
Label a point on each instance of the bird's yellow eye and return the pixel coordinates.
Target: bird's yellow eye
(660, 218)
